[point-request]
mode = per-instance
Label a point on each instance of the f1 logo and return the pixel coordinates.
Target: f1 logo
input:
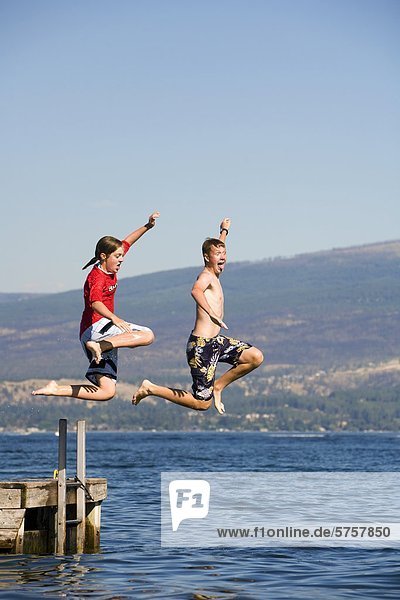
(189, 499)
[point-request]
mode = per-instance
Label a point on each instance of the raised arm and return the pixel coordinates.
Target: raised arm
(200, 285)
(224, 229)
(135, 235)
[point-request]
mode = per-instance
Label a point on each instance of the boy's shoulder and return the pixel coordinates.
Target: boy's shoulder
(205, 276)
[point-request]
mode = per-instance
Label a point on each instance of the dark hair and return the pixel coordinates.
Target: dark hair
(106, 245)
(209, 243)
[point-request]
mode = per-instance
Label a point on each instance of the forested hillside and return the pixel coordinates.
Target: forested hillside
(328, 323)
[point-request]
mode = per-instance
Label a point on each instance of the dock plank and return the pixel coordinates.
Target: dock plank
(7, 539)
(43, 492)
(11, 518)
(10, 498)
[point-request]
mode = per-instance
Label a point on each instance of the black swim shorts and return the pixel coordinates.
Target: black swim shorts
(203, 355)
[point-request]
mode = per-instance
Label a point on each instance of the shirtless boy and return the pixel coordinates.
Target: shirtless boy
(206, 346)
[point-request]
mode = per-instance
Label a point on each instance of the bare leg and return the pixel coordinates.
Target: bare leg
(124, 340)
(249, 360)
(104, 391)
(181, 397)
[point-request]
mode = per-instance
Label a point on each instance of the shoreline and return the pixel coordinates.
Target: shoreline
(277, 433)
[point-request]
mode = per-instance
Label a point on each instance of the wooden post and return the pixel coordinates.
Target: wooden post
(19, 541)
(80, 492)
(93, 522)
(62, 487)
(33, 513)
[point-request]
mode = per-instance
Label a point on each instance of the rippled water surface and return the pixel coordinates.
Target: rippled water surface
(132, 563)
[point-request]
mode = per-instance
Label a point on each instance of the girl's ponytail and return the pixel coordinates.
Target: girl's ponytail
(91, 262)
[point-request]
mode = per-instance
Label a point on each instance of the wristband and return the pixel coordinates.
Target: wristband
(224, 229)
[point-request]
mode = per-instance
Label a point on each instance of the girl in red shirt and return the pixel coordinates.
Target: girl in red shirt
(102, 332)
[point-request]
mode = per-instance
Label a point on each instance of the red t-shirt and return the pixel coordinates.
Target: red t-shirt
(99, 287)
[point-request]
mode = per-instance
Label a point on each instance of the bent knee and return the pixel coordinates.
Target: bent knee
(203, 405)
(107, 396)
(107, 388)
(107, 392)
(256, 357)
(147, 336)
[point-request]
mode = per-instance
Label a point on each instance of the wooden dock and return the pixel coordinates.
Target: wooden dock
(57, 515)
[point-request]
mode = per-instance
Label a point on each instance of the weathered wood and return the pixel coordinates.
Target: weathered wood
(7, 539)
(93, 522)
(12, 529)
(43, 492)
(62, 488)
(97, 488)
(10, 498)
(19, 539)
(36, 533)
(80, 492)
(11, 518)
(53, 515)
(37, 542)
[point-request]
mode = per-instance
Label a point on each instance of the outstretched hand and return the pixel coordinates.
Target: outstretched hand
(152, 218)
(225, 224)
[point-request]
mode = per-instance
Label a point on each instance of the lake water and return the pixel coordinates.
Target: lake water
(132, 563)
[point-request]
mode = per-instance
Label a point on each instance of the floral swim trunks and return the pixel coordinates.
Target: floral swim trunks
(203, 355)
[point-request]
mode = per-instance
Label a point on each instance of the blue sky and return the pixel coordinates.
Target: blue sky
(283, 115)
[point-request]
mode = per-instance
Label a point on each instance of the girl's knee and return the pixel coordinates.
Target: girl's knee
(151, 336)
(106, 388)
(147, 337)
(106, 394)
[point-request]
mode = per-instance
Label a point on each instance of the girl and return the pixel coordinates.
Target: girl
(102, 332)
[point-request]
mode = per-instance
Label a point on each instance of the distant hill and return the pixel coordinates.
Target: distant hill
(18, 297)
(327, 322)
(328, 308)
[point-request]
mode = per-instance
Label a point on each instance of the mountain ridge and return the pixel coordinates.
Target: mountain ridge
(339, 301)
(325, 322)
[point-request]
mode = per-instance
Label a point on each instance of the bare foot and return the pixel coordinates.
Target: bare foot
(48, 390)
(219, 405)
(142, 392)
(95, 350)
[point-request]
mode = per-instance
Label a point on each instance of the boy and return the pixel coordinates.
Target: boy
(206, 346)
